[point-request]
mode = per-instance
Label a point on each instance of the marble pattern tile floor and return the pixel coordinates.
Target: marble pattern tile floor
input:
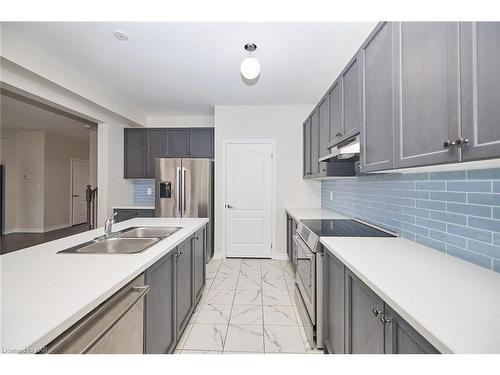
(248, 306)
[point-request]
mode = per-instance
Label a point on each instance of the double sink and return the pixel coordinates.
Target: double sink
(131, 240)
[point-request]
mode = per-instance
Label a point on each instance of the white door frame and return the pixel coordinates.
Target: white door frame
(71, 163)
(271, 142)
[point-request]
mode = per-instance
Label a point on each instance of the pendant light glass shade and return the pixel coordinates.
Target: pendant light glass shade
(250, 68)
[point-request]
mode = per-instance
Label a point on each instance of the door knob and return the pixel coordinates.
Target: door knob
(462, 142)
(229, 206)
(75, 195)
(449, 144)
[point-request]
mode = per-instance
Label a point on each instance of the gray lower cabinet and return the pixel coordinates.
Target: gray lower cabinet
(427, 82)
(480, 89)
(378, 103)
(160, 327)
(127, 214)
(333, 304)
(364, 333)
(357, 321)
(184, 284)
(401, 338)
(199, 260)
(291, 229)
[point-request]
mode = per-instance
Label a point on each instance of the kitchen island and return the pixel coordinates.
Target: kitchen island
(45, 293)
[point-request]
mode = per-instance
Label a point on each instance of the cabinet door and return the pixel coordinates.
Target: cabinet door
(307, 148)
(157, 148)
(378, 71)
(177, 143)
(201, 143)
(185, 290)
(335, 107)
(351, 96)
(480, 72)
(427, 92)
(364, 330)
(334, 304)
(401, 338)
(293, 246)
(314, 143)
(199, 246)
(159, 315)
(136, 153)
(324, 130)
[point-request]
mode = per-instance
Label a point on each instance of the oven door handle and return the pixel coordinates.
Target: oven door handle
(306, 252)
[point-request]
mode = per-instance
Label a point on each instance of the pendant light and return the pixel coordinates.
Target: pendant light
(250, 66)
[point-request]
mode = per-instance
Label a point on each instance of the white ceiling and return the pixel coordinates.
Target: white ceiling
(187, 68)
(18, 114)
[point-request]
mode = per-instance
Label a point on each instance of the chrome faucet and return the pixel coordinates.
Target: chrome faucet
(108, 225)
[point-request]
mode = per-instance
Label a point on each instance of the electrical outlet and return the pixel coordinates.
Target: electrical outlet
(150, 191)
(331, 195)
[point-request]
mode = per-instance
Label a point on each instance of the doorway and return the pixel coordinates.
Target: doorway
(79, 182)
(248, 205)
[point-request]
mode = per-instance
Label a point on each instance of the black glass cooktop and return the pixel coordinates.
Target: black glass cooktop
(343, 228)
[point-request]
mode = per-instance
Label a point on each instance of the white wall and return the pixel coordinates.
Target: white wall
(180, 121)
(283, 124)
(93, 157)
(57, 201)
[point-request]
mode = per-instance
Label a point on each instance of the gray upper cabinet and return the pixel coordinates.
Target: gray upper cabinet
(159, 323)
(199, 246)
(177, 143)
(314, 143)
(136, 153)
(157, 148)
(334, 304)
(480, 72)
(201, 143)
(324, 130)
(427, 92)
(335, 108)
(401, 338)
(378, 99)
(307, 148)
(351, 98)
(184, 283)
(364, 330)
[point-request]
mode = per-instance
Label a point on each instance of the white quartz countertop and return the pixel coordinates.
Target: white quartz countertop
(44, 293)
(313, 213)
(134, 208)
(454, 304)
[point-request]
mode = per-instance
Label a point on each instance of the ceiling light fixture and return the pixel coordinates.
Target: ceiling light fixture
(250, 66)
(120, 35)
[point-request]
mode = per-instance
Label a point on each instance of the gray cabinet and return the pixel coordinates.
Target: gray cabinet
(291, 229)
(335, 108)
(201, 143)
(401, 338)
(324, 130)
(199, 259)
(427, 83)
(178, 143)
(157, 148)
(135, 153)
(314, 143)
(127, 214)
(159, 325)
(480, 89)
(351, 98)
(184, 284)
(333, 304)
(307, 148)
(364, 332)
(378, 101)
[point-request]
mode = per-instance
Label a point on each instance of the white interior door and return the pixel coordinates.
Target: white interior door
(80, 180)
(248, 203)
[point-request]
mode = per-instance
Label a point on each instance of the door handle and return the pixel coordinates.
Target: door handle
(75, 195)
(183, 191)
(178, 189)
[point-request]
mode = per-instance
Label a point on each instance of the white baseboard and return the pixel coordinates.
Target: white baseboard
(280, 256)
(56, 227)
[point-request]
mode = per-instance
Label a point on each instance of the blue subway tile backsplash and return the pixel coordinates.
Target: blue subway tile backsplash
(457, 212)
(140, 192)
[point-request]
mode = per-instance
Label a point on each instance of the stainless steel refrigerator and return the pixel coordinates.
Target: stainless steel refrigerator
(185, 188)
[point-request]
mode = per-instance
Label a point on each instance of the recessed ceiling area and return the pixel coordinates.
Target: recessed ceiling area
(175, 68)
(18, 113)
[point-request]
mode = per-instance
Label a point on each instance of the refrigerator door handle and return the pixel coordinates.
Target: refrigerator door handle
(183, 191)
(178, 190)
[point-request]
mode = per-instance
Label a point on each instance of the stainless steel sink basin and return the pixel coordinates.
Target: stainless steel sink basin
(113, 245)
(147, 232)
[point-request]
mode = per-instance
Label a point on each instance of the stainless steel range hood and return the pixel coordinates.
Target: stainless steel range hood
(345, 150)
